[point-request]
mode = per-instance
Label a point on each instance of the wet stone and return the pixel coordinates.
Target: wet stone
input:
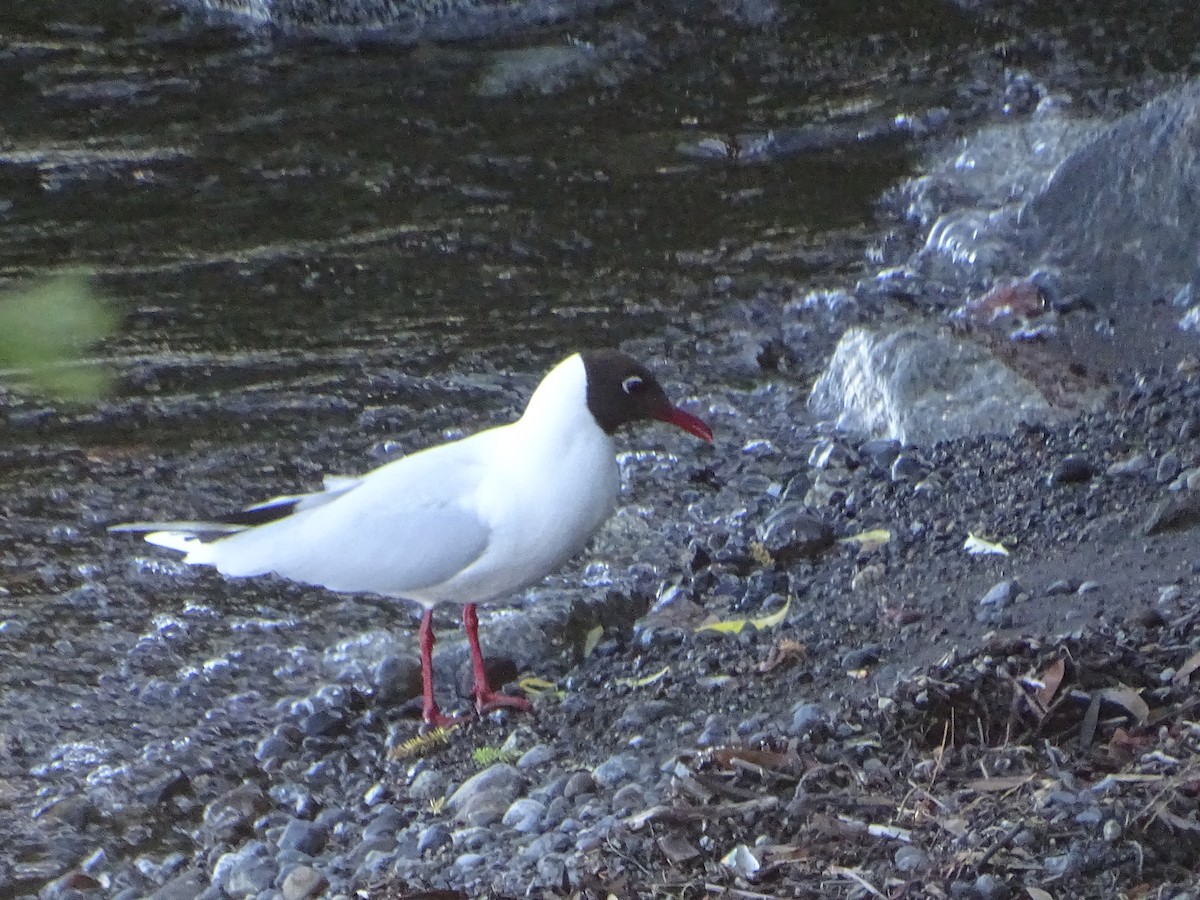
(397, 678)
(524, 815)
(791, 533)
(578, 785)
(537, 756)
(501, 781)
(245, 871)
(302, 836)
(434, 838)
(427, 785)
(385, 823)
(806, 717)
(617, 769)
(911, 859)
(1073, 469)
(303, 882)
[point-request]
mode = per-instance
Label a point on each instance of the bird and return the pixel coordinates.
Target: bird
(465, 522)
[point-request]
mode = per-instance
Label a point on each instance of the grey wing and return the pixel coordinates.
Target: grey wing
(348, 546)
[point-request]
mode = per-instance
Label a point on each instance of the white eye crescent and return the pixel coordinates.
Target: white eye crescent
(631, 384)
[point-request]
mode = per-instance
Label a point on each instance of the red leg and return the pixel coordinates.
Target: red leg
(485, 697)
(430, 712)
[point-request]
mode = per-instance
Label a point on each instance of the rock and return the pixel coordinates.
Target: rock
(806, 717)
(999, 595)
(302, 836)
(483, 808)
(911, 859)
(537, 756)
(920, 386)
(501, 781)
(617, 769)
(385, 823)
(429, 784)
(1178, 512)
(185, 886)
(791, 533)
(303, 882)
(578, 785)
(397, 678)
(1131, 465)
(524, 815)
(1073, 469)
(433, 838)
(246, 871)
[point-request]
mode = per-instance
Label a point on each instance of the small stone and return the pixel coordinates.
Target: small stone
(1073, 469)
(469, 861)
(911, 859)
(1168, 468)
(500, 780)
(617, 769)
(806, 717)
(397, 678)
(434, 838)
(792, 533)
(427, 785)
(578, 785)
(384, 824)
(1112, 830)
(629, 798)
(989, 887)
(536, 756)
(999, 595)
(302, 836)
(524, 815)
(1132, 465)
(483, 809)
(906, 468)
(303, 882)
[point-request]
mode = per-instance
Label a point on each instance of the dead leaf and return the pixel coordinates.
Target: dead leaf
(735, 626)
(767, 759)
(1051, 679)
(1190, 665)
(592, 640)
(1129, 700)
(785, 652)
(977, 546)
(868, 541)
(999, 783)
(642, 682)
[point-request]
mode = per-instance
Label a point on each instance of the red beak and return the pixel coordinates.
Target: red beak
(673, 415)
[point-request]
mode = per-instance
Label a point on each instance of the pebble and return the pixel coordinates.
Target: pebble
(433, 838)
(501, 781)
(911, 859)
(302, 836)
(525, 815)
(578, 785)
(386, 822)
(806, 716)
(537, 756)
(303, 882)
(999, 595)
(1073, 469)
(617, 769)
(247, 870)
(427, 785)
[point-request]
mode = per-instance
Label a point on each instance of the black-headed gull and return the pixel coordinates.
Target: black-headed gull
(462, 522)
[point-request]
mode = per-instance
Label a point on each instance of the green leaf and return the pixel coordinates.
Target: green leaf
(46, 329)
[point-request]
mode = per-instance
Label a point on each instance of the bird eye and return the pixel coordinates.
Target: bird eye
(631, 384)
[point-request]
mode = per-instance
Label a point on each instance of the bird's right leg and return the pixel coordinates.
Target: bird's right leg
(430, 712)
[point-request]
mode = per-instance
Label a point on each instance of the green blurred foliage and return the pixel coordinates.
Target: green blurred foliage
(46, 330)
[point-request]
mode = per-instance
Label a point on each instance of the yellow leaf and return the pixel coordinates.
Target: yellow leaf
(735, 626)
(531, 684)
(592, 640)
(977, 546)
(643, 682)
(868, 540)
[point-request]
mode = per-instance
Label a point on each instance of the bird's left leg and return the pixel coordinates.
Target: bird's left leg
(485, 697)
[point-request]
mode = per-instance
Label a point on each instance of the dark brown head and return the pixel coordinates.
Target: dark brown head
(622, 390)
